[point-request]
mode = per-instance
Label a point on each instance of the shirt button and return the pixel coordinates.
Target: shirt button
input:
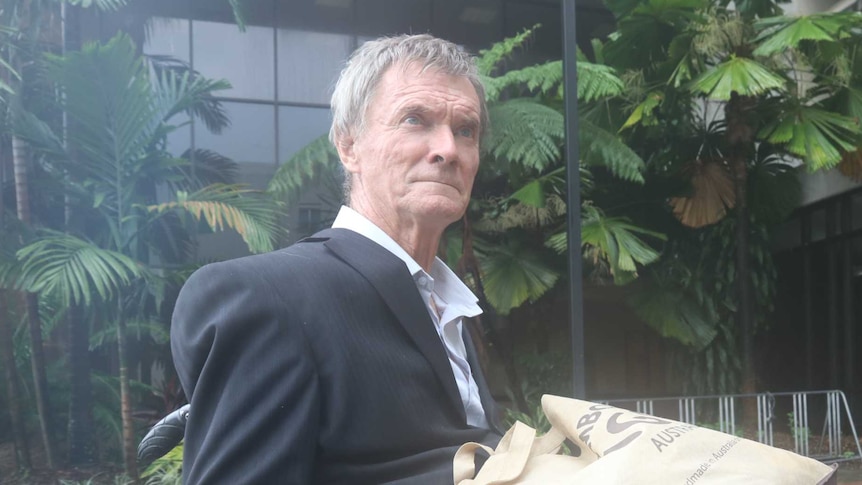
(423, 281)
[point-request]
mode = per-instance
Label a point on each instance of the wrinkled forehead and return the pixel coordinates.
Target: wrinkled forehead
(416, 74)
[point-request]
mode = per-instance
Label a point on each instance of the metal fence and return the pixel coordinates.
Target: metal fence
(801, 410)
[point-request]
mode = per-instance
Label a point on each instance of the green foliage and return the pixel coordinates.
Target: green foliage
(739, 75)
(306, 165)
(167, 470)
(104, 5)
(489, 58)
(612, 241)
(778, 34)
(73, 269)
(513, 274)
(675, 314)
(600, 147)
(817, 135)
(526, 132)
(799, 433)
(221, 206)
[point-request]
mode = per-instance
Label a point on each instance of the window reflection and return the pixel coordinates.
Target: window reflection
(246, 59)
(250, 137)
(298, 126)
(309, 63)
(167, 37)
(388, 17)
(180, 139)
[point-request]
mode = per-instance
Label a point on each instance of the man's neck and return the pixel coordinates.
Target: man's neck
(419, 240)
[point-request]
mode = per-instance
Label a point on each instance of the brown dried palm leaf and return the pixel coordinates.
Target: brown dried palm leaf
(851, 165)
(712, 194)
(524, 216)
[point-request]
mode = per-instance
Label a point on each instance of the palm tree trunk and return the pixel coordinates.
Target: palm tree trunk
(37, 355)
(7, 353)
(81, 431)
(741, 140)
(129, 445)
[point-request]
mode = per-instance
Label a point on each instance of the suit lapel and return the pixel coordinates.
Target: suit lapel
(394, 283)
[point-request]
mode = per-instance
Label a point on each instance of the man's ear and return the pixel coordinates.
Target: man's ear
(347, 153)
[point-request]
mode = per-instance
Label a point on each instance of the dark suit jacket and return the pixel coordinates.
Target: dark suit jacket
(317, 363)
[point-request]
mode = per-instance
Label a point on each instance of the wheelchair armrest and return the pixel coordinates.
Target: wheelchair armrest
(163, 436)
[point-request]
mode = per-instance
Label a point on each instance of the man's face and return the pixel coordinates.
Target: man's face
(416, 159)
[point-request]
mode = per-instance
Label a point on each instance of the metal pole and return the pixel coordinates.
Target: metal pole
(573, 180)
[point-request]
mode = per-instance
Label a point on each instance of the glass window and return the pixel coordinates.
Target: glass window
(309, 63)
(475, 25)
(387, 17)
(787, 235)
(299, 126)
(547, 41)
(180, 139)
(167, 37)
(318, 15)
(246, 59)
(818, 225)
(249, 138)
(856, 211)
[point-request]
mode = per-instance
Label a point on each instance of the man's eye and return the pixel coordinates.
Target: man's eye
(467, 132)
(412, 120)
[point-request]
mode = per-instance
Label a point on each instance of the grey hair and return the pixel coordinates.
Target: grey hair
(359, 79)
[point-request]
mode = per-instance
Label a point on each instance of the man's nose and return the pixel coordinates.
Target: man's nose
(443, 145)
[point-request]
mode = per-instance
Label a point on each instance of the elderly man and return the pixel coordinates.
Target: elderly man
(344, 358)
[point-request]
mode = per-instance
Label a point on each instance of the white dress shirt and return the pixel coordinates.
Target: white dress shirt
(441, 290)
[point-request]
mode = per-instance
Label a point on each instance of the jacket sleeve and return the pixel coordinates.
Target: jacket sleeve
(250, 377)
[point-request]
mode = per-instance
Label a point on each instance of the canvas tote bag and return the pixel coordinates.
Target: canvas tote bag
(613, 446)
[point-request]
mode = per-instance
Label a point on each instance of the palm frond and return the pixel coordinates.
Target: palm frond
(222, 206)
(39, 134)
(597, 81)
(600, 147)
(310, 162)
(612, 240)
(489, 58)
(155, 329)
(818, 136)
(524, 216)
(712, 193)
(109, 101)
(513, 274)
(674, 314)
(183, 90)
(774, 188)
(103, 5)
(209, 168)
(535, 192)
(846, 100)
(643, 112)
(542, 78)
(73, 269)
(745, 77)
(526, 132)
(238, 13)
(778, 34)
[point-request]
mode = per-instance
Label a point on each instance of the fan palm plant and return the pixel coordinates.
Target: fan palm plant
(719, 94)
(112, 165)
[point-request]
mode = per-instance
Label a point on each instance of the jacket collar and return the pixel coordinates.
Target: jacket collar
(392, 280)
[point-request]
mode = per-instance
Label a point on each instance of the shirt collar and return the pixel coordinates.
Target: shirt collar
(447, 285)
